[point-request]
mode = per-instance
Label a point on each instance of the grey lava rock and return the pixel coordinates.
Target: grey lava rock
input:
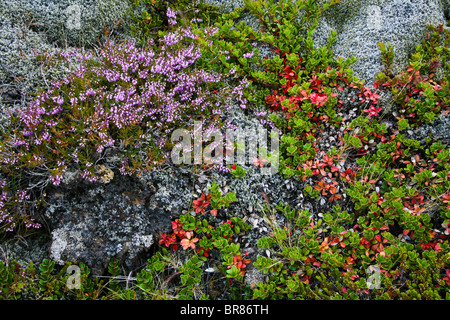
(24, 250)
(225, 5)
(361, 24)
(20, 71)
(94, 223)
(69, 23)
(439, 129)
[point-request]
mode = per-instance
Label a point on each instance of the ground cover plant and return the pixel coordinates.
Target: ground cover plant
(381, 223)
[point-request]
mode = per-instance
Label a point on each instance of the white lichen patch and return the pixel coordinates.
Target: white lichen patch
(63, 241)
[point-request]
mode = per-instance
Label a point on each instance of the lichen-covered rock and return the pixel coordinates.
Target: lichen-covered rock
(225, 5)
(20, 70)
(68, 23)
(33, 248)
(439, 129)
(361, 24)
(94, 223)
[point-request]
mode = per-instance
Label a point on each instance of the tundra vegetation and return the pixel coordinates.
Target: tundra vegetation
(386, 234)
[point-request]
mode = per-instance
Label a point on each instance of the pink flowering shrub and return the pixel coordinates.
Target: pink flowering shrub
(15, 209)
(122, 103)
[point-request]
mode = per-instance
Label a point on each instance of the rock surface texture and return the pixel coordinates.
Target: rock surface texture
(362, 24)
(118, 219)
(68, 23)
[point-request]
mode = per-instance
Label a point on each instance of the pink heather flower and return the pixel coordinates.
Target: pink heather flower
(56, 180)
(260, 114)
(120, 96)
(90, 92)
(212, 31)
(171, 13)
(56, 110)
(221, 168)
(45, 136)
(22, 194)
(248, 55)
(59, 100)
(371, 95)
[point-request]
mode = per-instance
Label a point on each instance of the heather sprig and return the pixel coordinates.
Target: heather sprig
(151, 18)
(15, 209)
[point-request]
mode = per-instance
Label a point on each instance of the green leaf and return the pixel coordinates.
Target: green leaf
(403, 124)
(292, 149)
